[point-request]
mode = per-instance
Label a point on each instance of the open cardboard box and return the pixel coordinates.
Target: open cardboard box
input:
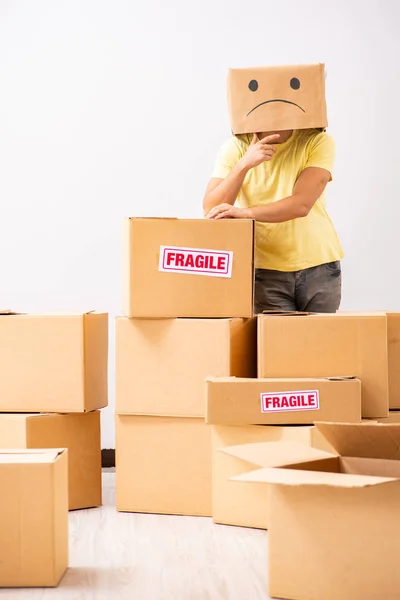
(244, 505)
(334, 518)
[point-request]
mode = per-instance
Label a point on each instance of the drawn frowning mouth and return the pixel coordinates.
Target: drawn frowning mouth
(277, 100)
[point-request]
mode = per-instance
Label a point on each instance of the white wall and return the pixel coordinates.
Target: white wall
(116, 108)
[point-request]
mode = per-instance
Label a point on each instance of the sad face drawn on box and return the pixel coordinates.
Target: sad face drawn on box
(277, 98)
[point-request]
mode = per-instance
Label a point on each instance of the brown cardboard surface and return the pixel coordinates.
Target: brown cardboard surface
(393, 338)
(163, 465)
(234, 503)
(152, 293)
(329, 543)
(161, 364)
(394, 417)
(33, 517)
(53, 363)
(319, 505)
(369, 440)
(329, 345)
(80, 433)
(393, 324)
(243, 401)
(277, 98)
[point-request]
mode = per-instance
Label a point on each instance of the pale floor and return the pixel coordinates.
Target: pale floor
(118, 556)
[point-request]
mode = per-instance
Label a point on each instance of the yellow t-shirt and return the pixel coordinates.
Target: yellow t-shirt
(300, 243)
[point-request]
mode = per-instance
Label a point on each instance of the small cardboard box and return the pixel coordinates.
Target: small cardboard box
(53, 363)
(80, 433)
(240, 401)
(277, 98)
(188, 268)
(163, 465)
(327, 345)
(161, 364)
(232, 502)
(334, 527)
(33, 517)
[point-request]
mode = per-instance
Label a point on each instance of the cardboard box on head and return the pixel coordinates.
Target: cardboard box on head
(277, 98)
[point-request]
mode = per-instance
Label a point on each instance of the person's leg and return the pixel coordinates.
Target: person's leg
(274, 290)
(319, 289)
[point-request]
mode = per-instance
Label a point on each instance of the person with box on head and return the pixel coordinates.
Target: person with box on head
(277, 165)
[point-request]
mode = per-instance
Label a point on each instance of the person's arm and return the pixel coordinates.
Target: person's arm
(227, 190)
(307, 189)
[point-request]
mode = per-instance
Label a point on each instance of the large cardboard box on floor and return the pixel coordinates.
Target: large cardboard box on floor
(33, 517)
(241, 401)
(53, 363)
(334, 526)
(163, 465)
(244, 505)
(161, 364)
(80, 433)
(326, 345)
(188, 268)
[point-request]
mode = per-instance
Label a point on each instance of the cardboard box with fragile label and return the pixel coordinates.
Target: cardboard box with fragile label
(80, 433)
(239, 401)
(33, 517)
(161, 364)
(244, 505)
(163, 465)
(188, 268)
(53, 363)
(334, 529)
(327, 345)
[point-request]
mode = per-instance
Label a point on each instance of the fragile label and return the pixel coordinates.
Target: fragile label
(213, 263)
(290, 401)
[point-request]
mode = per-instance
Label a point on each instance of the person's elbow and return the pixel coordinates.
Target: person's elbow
(302, 207)
(303, 210)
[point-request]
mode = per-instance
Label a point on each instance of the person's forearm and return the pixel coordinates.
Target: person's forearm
(286, 209)
(228, 190)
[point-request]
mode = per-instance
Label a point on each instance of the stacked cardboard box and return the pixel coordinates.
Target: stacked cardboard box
(188, 298)
(53, 381)
(181, 329)
(333, 504)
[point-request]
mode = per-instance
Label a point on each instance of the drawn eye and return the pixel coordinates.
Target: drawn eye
(253, 85)
(295, 83)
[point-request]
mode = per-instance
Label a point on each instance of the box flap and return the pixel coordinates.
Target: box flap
(300, 477)
(275, 454)
(366, 440)
(30, 456)
(286, 313)
(230, 378)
